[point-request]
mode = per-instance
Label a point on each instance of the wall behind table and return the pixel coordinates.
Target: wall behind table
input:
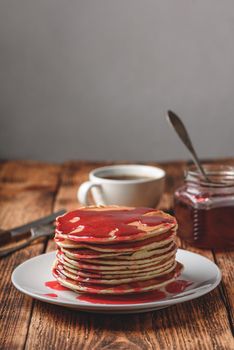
(92, 79)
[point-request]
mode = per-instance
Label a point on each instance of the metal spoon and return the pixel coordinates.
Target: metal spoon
(182, 132)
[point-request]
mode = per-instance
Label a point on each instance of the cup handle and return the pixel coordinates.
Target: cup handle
(83, 191)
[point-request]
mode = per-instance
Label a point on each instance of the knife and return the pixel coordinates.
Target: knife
(36, 232)
(8, 235)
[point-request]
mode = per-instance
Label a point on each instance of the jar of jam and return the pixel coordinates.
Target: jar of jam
(205, 210)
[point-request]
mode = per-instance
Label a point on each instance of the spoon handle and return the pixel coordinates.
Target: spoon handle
(182, 132)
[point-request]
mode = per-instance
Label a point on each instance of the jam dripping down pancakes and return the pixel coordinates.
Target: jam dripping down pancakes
(115, 250)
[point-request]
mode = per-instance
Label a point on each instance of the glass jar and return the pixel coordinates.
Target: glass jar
(204, 210)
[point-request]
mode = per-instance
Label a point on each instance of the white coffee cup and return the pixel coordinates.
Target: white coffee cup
(143, 186)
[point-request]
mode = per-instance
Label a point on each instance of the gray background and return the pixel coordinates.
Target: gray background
(92, 79)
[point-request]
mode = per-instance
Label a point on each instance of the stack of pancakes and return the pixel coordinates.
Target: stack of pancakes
(115, 250)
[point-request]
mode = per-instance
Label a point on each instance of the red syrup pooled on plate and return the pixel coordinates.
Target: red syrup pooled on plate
(177, 286)
(52, 295)
(123, 299)
(55, 285)
(95, 224)
(174, 288)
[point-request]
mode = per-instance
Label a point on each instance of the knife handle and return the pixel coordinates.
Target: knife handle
(23, 231)
(5, 236)
(6, 251)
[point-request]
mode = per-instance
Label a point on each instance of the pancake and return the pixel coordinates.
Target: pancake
(115, 250)
(121, 289)
(153, 242)
(107, 269)
(110, 275)
(138, 255)
(118, 279)
(115, 224)
(111, 265)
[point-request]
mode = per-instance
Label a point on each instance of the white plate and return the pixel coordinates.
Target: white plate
(30, 278)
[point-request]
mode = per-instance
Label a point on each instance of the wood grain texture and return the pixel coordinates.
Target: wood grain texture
(27, 190)
(225, 260)
(203, 323)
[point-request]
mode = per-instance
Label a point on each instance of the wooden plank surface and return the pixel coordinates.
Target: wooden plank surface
(27, 192)
(204, 323)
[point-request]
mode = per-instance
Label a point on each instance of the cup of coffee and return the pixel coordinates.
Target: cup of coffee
(128, 185)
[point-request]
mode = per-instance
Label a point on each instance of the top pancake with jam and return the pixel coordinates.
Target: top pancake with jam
(112, 224)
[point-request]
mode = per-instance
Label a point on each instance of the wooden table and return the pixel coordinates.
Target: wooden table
(29, 190)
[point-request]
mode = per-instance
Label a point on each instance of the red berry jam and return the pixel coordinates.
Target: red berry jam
(205, 210)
